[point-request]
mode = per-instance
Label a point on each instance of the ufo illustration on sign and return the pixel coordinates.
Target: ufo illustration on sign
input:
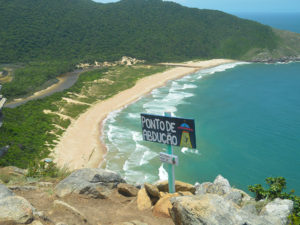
(185, 136)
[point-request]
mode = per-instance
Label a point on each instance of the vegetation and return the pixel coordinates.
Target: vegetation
(49, 37)
(42, 169)
(32, 132)
(34, 76)
(153, 30)
(275, 190)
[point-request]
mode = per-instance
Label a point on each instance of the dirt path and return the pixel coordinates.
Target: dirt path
(115, 210)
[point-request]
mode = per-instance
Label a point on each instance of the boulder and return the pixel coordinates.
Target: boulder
(87, 180)
(179, 186)
(210, 209)
(143, 200)
(235, 197)
(278, 211)
(127, 190)
(101, 192)
(250, 208)
(162, 207)
(5, 192)
(221, 186)
(201, 189)
(245, 196)
(152, 190)
(16, 209)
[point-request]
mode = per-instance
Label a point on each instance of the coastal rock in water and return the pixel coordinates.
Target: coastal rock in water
(16, 209)
(179, 186)
(86, 181)
(143, 200)
(278, 211)
(127, 190)
(5, 192)
(210, 209)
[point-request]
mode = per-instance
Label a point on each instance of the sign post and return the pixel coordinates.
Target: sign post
(171, 173)
(171, 131)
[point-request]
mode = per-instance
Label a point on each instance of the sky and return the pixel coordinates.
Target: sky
(232, 6)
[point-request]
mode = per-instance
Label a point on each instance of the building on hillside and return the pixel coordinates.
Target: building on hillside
(2, 101)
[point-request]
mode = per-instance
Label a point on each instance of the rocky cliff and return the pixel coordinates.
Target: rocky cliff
(97, 196)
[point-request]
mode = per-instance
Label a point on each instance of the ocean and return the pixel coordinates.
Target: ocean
(247, 119)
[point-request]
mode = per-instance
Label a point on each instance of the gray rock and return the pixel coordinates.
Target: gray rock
(23, 188)
(16, 209)
(235, 197)
(250, 208)
(278, 211)
(211, 209)
(86, 181)
(101, 192)
(245, 196)
(5, 192)
(221, 185)
(201, 189)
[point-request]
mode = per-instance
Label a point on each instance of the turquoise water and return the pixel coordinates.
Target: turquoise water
(283, 21)
(247, 124)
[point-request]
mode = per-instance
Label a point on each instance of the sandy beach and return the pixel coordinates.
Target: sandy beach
(81, 146)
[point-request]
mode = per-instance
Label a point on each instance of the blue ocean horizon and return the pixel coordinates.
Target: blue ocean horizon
(247, 119)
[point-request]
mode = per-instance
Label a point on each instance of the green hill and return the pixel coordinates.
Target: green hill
(50, 36)
(148, 29)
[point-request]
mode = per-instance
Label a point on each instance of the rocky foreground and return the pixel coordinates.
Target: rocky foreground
(97, 196)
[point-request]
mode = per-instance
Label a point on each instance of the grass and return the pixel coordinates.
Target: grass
(33, 129)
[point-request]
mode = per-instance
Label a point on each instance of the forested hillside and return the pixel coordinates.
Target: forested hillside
(147, 29)
(46, 38)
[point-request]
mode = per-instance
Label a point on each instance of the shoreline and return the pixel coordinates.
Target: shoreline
(81, 146)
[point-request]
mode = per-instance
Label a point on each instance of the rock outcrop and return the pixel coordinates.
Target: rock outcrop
(179, 186)
(127, 190)
(95, 183)
(217, 203)
(207, 203)
(14, 208)
(143, 200)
